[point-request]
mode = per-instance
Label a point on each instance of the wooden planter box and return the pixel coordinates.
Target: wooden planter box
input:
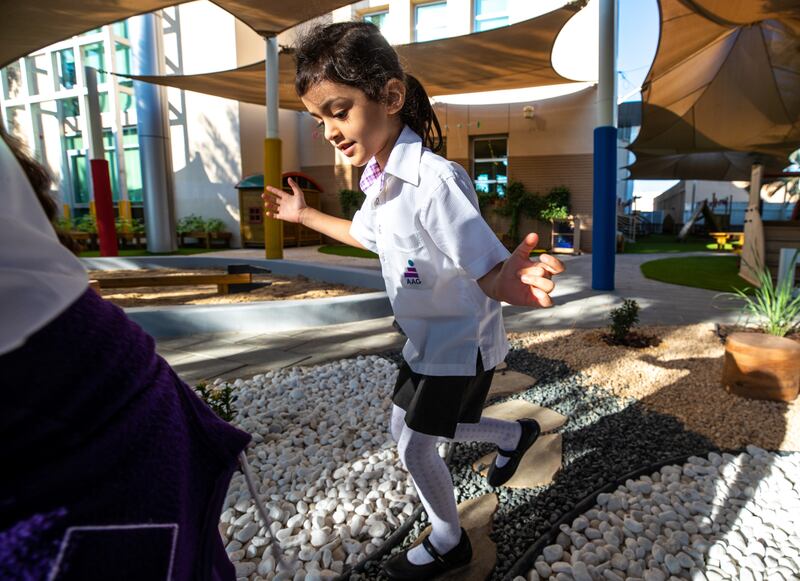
(206, 238)
(762, 366)
(87, 240)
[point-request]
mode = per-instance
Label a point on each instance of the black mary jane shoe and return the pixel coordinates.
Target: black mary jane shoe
(498, 476)
(399, 568)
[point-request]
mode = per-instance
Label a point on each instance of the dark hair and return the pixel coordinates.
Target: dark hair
(357, 54)
(40, 181)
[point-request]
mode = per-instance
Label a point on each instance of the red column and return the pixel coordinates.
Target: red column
(104, 206)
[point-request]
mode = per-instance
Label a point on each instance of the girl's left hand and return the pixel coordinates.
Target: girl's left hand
(527, 283)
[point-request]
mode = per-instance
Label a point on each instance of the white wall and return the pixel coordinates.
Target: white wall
(204, 130)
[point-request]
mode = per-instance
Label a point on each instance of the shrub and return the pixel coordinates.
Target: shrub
(518, 203)
(218, 397)
(194, 223)
(214, 225)
(86, 223)
(350, 201)
(134, 225)
(190, 223)
(774, 306)
(555, 205)
(623, 319)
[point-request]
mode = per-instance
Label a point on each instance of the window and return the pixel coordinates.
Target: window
(70, 107)
(12, 80)
(490, 14)
(378, 18)
(133, 164)
(94, 56)
(490, 164)
(66, 68)
(123, 63)
(120, 28)
(255, 216)
(430, 21)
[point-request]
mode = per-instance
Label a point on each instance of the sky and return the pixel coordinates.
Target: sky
(638, 41)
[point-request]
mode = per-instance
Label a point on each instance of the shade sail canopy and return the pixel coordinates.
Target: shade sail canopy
(31, 25)
(504, 58)
(725, 83)
(716, 166)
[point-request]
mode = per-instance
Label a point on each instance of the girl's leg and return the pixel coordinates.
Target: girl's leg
(502, 433)
(398, 422)
(435, 488)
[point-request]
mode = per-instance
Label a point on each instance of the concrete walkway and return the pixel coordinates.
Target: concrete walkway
(577, 306)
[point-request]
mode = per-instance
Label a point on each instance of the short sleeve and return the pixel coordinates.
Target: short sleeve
(452, 220)
(363, 228)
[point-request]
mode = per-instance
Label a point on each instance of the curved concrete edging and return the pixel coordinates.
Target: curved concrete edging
(266, 316)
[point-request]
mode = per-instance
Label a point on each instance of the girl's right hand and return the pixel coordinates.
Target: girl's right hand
(283, 206)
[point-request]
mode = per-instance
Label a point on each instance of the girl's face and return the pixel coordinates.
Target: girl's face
(354, 124)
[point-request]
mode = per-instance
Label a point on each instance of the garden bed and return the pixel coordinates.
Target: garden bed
(281, 288)
(625, 408)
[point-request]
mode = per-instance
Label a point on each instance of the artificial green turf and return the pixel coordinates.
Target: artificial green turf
(655, 243)
(719, 273)
(143, 252)
(347, 251)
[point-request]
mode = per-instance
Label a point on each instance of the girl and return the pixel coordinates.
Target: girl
(113, 467)
(445, 270)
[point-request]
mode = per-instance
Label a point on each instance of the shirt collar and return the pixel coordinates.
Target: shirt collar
(405, 156)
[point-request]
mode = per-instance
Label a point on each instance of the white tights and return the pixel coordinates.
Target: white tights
(432, 478)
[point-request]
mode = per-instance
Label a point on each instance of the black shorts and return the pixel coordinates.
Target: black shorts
(436, 404)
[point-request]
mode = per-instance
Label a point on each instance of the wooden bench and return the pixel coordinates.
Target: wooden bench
(223, 281)
(205, 238)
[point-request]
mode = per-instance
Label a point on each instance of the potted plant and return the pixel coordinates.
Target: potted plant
(764, 363)
(565, 228)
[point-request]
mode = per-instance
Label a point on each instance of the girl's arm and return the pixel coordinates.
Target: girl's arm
(519, 281)
(292, 208)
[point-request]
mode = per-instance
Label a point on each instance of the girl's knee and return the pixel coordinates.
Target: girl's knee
(398, 423)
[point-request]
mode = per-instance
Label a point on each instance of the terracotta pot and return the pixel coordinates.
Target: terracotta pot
(762, 366)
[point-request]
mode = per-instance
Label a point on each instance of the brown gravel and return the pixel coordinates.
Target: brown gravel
(680, 377)
(282, 288)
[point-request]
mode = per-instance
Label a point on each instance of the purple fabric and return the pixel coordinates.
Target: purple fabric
(109, 460)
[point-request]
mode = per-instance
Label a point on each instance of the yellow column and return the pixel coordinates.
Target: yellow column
(67, 211)
(273, 229)
(124, 209)
(92, 209)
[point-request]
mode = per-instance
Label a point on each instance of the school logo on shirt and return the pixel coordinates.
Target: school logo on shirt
(411, 275)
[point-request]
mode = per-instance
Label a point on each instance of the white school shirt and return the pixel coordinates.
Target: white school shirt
(39, 278)
(422, 219)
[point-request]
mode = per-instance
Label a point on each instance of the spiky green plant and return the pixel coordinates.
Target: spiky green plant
(773, 305)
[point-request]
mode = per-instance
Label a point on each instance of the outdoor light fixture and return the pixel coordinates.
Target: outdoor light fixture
(527, 111)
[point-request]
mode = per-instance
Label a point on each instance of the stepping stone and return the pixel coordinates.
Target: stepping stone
(538, 467)
(515, 409)
(476, 515)
(509, 382)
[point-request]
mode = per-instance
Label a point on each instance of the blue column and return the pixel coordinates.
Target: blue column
(604, 209)
(604, 206)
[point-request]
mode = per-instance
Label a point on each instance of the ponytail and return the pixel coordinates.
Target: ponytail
(419, 115)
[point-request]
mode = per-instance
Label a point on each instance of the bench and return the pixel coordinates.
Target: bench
(239, 278)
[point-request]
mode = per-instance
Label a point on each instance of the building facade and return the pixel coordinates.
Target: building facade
(216, 142)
